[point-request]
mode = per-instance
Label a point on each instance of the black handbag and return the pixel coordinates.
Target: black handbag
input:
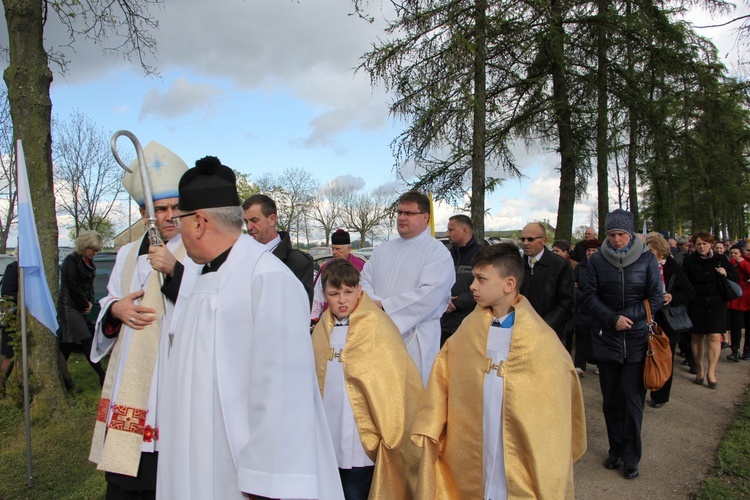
(676, 316)
(729, 289)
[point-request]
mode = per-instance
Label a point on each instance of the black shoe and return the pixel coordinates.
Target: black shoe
(725, 345)
(746, 355)
(655, 405)
(631, 471)
(612, 463)
(693, 370)
(734, 356)
(685, 362)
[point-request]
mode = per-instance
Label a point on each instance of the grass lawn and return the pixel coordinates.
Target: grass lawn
(730, 476)
(59, 447)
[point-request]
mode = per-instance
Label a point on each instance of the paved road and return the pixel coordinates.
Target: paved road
(679, 440)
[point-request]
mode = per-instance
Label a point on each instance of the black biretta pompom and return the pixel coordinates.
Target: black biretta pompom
(208, 165)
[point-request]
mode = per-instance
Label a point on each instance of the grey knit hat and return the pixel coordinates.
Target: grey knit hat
(619, 220)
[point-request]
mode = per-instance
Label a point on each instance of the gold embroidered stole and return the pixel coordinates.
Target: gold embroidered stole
(544, 428)
(117, 447)
(384, 390)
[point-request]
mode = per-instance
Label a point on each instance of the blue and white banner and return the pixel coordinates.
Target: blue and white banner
(36, 293)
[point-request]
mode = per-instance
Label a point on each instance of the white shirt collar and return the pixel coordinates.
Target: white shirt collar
(271, 245)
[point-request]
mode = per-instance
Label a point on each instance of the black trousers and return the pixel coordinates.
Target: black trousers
(623, 394)
(141, 487)
(662, 395)
(356, 482)
(583, 345)
(738, 320)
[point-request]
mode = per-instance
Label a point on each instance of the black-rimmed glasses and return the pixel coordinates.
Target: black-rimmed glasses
(529, 238)
(176, 219)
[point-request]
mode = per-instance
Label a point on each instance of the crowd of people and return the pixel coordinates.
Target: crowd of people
(430, 372)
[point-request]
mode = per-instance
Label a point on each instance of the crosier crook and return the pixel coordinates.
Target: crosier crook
(153, 233)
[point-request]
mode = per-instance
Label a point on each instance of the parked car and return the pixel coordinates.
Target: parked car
(104, 262)
(4, 261)
(316, 252)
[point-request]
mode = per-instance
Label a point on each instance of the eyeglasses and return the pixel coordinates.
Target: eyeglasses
(529, 238)
(176, 219)
(95, 250)
(408, 214)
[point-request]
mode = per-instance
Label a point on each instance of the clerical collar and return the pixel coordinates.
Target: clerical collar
(506, 321)
(215, 264)
(145, 243)
(342, 322)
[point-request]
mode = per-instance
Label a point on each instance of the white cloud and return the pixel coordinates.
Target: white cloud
(349, 181)
(181, 98)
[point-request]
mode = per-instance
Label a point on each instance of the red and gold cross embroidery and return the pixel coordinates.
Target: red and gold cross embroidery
(125, 418)
(101, 413)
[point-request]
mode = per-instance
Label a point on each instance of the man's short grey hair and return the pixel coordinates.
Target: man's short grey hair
(229, 218)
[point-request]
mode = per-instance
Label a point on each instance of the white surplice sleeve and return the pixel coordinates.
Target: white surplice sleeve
(288, 452)
(429, 299)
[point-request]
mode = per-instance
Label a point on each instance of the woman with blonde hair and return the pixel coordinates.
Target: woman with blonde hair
(75, 301)
(677, 291)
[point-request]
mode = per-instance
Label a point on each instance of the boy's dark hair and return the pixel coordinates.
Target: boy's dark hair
(267, 205)
(505, 257)
(338, 274)
(421, 199)
(563, 245)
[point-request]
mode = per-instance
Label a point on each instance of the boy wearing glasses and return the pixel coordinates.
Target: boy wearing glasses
(503, 414)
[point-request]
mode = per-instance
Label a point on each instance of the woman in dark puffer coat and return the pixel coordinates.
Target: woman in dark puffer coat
(620, 277)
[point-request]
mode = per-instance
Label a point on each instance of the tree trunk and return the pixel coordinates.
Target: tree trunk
(602, 121)
(561, 107)
(479, 135)
(28, 79)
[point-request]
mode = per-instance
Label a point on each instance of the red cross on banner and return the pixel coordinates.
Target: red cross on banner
(128, 419)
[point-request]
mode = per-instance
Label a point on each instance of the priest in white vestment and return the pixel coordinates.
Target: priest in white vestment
(411, 279)
(135, 334)
(243, 412)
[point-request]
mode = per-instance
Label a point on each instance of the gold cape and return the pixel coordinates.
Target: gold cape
(544, 426)
(385, 391)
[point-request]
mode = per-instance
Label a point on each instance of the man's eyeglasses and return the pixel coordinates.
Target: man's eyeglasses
(408, 214)
(176, 219)
(529, 238)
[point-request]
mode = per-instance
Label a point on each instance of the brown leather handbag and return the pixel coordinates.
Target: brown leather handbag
(658, 366)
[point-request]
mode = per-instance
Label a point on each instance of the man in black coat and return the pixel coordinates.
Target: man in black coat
(461, 235)
(548, 281)
(260, 218)
(579, 251)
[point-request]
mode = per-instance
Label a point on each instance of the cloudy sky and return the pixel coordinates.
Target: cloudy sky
(267, 84)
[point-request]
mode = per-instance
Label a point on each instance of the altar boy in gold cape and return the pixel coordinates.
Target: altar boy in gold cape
(502, 416)
(371, 390)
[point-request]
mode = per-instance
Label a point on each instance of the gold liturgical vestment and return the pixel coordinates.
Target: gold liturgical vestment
(384, 389)
(543, 421)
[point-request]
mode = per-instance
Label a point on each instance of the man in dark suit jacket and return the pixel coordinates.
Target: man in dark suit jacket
(548, 281)
(260, 218)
